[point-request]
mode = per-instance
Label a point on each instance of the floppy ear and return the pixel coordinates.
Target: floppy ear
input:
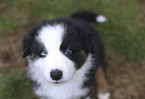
(93, 43)
(26, 44)
(88, 42)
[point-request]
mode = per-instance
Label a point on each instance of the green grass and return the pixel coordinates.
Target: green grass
(15, 85)
(123, 33)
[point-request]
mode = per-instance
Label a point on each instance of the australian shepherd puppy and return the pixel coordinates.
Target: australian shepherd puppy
(66, 58)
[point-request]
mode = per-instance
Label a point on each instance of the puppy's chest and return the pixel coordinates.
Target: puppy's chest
(66, 91)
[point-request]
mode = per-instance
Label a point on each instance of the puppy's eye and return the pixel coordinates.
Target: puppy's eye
(68, 52)
(43, 54)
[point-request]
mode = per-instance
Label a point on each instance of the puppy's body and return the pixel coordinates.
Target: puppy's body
(63, 58)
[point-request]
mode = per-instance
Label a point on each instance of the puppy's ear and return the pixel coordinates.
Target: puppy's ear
(26, 45)
(88, 42)
(93, 43)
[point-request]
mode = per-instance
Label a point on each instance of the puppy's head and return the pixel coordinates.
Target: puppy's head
(56, 50)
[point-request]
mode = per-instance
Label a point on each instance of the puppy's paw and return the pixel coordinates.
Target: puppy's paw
(104, 96)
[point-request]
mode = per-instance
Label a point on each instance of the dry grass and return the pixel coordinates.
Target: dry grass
(126, 80)
(11, 53)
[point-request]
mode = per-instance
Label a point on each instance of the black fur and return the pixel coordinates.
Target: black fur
(87, 16)
(29, 40)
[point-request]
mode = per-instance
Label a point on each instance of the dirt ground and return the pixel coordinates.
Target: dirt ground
(126, 81)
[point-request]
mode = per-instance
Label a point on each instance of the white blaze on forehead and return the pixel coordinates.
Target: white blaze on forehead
(51, 36)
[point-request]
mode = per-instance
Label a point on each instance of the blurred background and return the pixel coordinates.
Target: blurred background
(123, 36)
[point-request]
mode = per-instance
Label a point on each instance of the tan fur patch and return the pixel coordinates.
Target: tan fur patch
(101, 82)
(85, 55)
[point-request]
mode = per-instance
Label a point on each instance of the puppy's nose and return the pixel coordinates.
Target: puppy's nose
(56, 74)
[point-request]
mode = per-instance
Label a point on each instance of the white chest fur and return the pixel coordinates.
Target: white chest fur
(65, 91)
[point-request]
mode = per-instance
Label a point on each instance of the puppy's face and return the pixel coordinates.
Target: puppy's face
(56, 51)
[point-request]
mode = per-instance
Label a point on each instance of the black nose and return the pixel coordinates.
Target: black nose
(56, 74)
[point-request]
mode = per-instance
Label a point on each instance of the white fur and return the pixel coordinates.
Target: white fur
(101, 19)
(40, 69)
(104, 96)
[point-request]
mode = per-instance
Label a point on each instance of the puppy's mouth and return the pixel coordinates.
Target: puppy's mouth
(58, 83)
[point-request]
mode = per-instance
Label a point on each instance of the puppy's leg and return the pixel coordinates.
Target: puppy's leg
(102, 86)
